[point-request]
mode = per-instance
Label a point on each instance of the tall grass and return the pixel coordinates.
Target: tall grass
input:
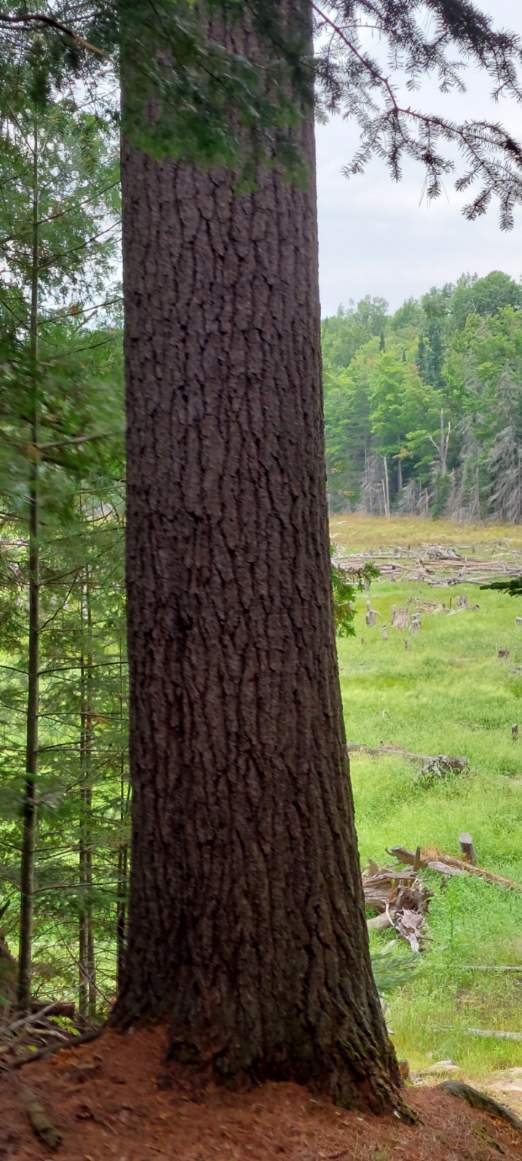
(356, 532)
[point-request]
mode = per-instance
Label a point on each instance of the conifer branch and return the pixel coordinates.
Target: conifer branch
(24, 21)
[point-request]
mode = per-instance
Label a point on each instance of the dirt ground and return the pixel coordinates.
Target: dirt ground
(116, 1099)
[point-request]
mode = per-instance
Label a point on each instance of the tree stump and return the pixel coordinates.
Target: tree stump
(467, 848)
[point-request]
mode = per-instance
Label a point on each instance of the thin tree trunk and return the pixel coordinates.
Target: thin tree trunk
(86, 958)
(386, 487)
(29, 798)
(247, 928)
(121, 911)
(123, 848)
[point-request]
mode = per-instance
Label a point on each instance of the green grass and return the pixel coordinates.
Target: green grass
(356, 533)
(448, 693)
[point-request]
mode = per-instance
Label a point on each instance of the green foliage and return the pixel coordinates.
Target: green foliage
(346, 583)
(61, 405)
(431, 410)
(393, 966)
(185, 69)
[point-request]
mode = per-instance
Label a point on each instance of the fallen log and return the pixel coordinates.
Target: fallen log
(480, 1100)
(490, 967)
(381, 886)
(442, 868)
(401, 900)
(32, 1018)
(59, 1008)
(447, 864)
(380, 922)
(456, 763)
(16, 1062)
(487, 1033)
(493, 1034)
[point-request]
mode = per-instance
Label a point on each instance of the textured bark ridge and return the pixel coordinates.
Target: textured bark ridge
(247, 927)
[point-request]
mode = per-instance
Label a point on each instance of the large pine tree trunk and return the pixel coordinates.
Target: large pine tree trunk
(247, 928)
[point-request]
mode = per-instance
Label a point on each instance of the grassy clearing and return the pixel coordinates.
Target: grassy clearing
(355, 533)
(449, 692)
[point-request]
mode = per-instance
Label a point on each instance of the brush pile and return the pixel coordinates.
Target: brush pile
(400, 900)
(397, 896)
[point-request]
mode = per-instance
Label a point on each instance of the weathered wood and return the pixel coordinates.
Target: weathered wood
(51, 1049)
(58, 1008)
(380, 922)
(492, 1033)
(401, 899)
(438, 861)
(381, 886)
(400, 618)
(24, 1021)
(403, 855)
(480, 1100)
(442, 868)
(467, 848)
(437, 567)
(457, 763)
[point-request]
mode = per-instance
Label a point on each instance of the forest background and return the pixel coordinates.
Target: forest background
(424, 406)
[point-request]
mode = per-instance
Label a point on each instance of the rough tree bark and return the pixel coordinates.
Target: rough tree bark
(247, 927)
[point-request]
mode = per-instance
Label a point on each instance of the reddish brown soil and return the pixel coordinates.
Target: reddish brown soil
(115, 1098)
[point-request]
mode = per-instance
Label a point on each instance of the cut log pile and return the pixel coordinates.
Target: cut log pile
(397, 896)
(435, 565)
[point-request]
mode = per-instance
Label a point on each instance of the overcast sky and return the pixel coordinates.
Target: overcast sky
(383, 239)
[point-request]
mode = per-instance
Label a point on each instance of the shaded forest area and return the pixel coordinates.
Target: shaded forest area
(63, 667)
(424, 406)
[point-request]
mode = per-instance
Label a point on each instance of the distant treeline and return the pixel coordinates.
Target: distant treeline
(423, 407)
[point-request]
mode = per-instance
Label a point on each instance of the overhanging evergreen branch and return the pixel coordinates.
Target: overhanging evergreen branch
(352, 82)
(26, 21)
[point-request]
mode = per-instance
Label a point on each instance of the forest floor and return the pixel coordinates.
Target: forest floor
(115, 1098)
(454, 687)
